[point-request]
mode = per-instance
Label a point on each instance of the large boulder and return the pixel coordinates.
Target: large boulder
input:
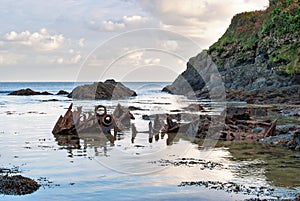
(110, 89)
(28, 92)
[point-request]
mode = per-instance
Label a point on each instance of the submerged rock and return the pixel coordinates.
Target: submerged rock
(231, 187)
(28, 92)
(110, 89)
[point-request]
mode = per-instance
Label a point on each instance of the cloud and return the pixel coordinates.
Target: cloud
(198, 19)
(134, 20)
(152, 61)
(73, 58)
(8, 58)
(135, 58)
(60, 60)
(81, 42)
(170, 45)
(112, 26)
(76, 58)
(126, 22)
(40, 41)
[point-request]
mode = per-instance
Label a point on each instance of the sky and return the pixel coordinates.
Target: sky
(127, 40)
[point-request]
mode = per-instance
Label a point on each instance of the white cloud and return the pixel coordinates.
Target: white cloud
(134, 20)
(170, 45)
(7, 58)
(41, 41)
(81, 42)
(152, 61)
(135, 58)
(112, 26)
(76, 58)
(60, 60)
(200, 20)
(125, 22)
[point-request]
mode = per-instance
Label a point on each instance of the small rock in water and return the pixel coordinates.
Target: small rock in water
(17, 185)
(62, 92)
(145, 117)
(28, 92)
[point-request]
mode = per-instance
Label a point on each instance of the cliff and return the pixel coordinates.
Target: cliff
(267, 38)
(260, 49)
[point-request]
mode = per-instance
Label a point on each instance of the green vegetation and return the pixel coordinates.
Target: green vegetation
(275, 32)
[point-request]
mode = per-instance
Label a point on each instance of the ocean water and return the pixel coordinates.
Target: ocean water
(92, 167)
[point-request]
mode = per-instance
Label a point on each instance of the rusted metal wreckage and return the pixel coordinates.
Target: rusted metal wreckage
(238, 123)
(99, 120)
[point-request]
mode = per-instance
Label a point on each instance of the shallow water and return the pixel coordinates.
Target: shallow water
(95, 168)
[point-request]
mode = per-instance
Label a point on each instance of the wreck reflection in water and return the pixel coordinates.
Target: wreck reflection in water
(101, 141)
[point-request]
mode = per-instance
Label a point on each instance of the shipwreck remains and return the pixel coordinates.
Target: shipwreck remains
(74, 122)
(238, 125)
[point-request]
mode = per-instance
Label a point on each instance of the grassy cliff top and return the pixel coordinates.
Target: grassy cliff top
(271, 36)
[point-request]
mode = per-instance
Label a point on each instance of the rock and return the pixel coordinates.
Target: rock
(145, 117)
(194, 107)
(17, 185)
(50, 100)
(288, 94)
(134, 108)
(109, 89)
(257, 130)
(28, 92)
(238, 113)
(45, 93)
(194, 78)
(255, 68)
(62, 92)
(295, 143)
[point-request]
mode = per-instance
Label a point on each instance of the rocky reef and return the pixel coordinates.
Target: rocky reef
(110, 89)
(28, 92)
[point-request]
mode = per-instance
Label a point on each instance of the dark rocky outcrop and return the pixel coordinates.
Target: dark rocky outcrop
(288, 94)
(258, 52)
(110, 89)
(62, 92)
(28, 92)
(200, 76)
(17, 185)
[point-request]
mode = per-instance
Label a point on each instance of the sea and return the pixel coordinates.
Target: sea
(132, 167)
